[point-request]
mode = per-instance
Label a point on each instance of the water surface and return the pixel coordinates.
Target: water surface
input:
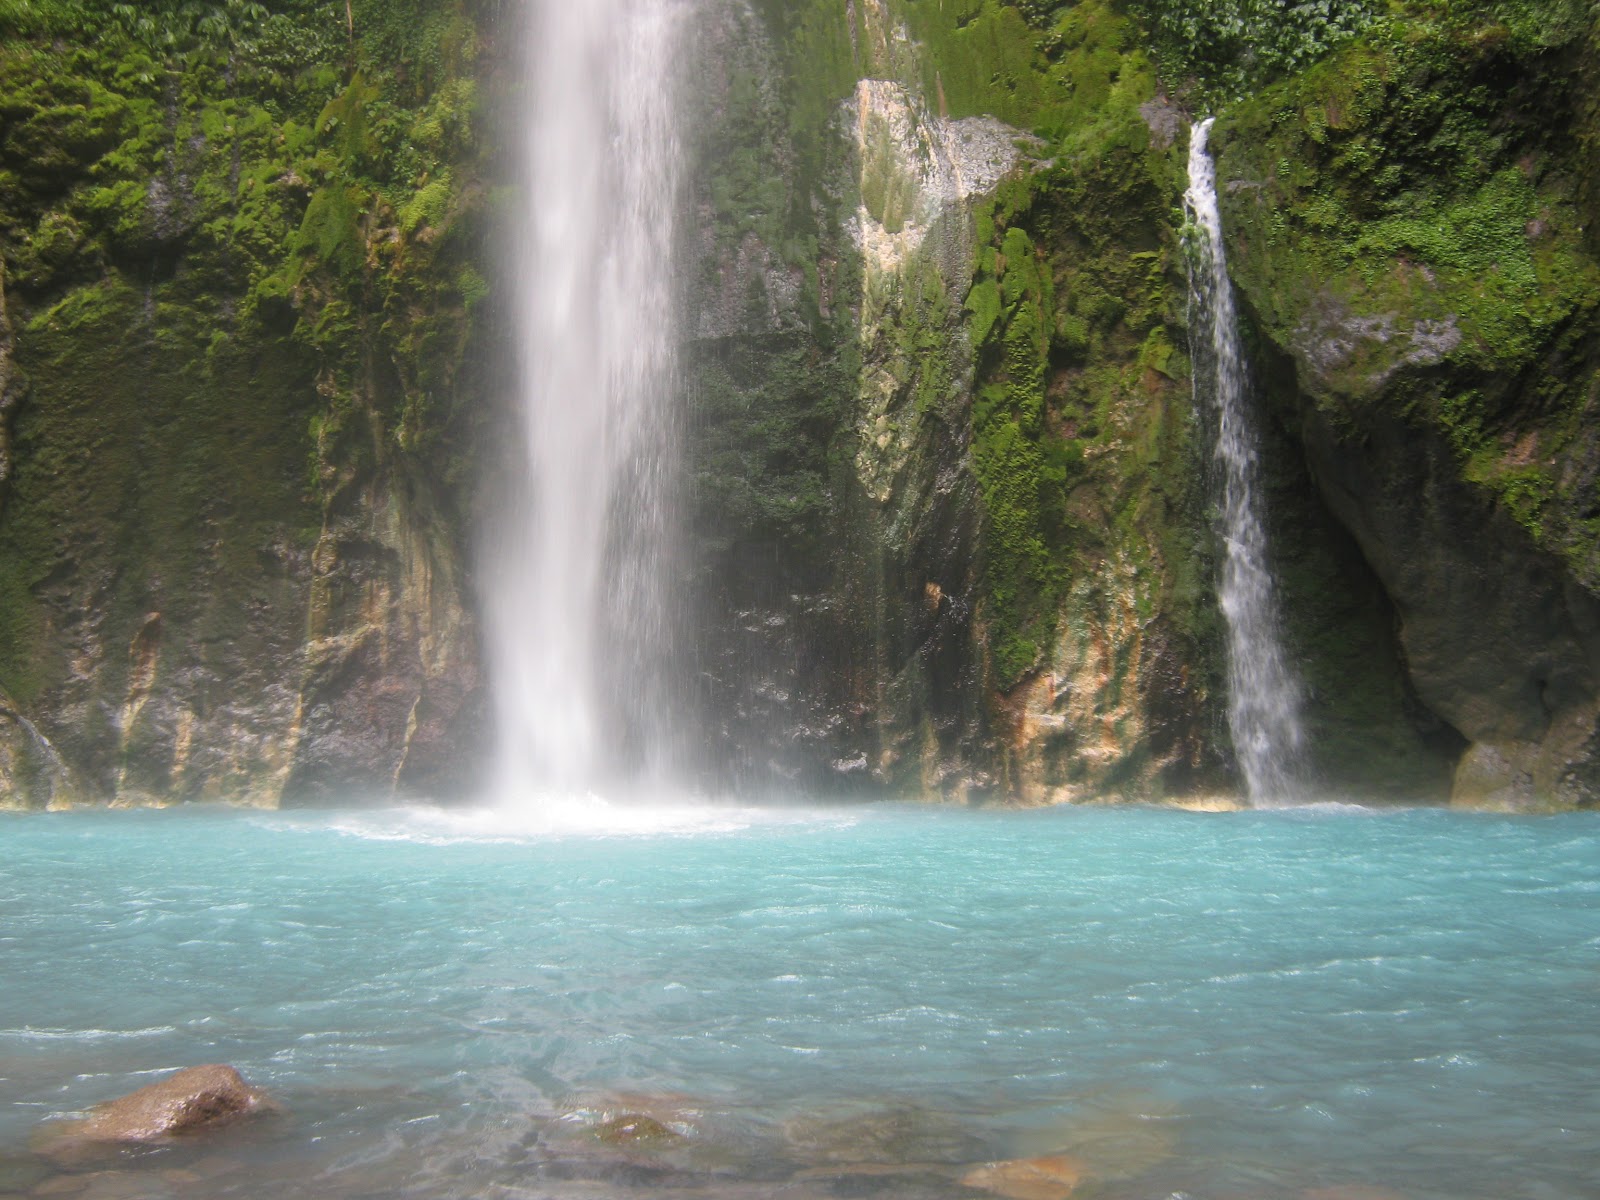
(818, 1002)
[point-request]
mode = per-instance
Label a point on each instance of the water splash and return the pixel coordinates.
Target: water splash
(566, 816)
(579, 602)
(1264, 693)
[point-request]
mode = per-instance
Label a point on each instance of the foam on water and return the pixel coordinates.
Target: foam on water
(1256, 1003)
(540, 816)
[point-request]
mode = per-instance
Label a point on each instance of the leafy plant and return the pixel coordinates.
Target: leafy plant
(1227, 48)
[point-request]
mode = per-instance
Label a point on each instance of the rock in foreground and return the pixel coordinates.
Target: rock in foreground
(192, 1101)
(1051, 1178)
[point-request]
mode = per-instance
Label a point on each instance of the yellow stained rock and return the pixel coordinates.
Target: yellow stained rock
(1121, 1136)
(1050, 1178)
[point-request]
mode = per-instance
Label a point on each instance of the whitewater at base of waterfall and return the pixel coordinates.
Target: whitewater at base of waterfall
(581, 605)
(541, 815)
(1265, 694)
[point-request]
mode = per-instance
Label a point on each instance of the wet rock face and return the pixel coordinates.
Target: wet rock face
(32, 774)
(391, 693)
(229, 567)
(917, 170)
(10, 387)
(835, 518)
(1436, 319)
(1500, 641)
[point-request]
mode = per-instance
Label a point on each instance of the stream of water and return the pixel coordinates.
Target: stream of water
(817, 1003)
(579, 595)
(1264, 691)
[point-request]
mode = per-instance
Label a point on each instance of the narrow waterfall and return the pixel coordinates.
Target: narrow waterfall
(1264, 693)
(578, 568)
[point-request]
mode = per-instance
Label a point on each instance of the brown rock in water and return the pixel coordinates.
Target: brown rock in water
(1120, 1137)
(635, 1129)
(191, 1101)
(1051, 1178)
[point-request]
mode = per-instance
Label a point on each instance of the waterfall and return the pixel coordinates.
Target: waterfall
(579, 566)
(1264, 694)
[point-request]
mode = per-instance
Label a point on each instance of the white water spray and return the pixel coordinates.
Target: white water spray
(1264, 694)
(578, 570)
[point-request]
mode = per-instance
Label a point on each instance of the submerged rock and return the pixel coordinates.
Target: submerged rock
(635, 1129)
(1051, 1178)
(18, 1173)
(894, 1137)
(1123, 1138)
(192, 1101)
(107, 1185)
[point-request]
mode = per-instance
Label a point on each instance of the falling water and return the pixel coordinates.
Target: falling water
(1264, 693)
(578, 569)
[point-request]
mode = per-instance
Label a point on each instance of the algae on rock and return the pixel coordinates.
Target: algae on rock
(1045, 386)
(209, 285)
(1410, 226)
(949, 520)
(921, 641)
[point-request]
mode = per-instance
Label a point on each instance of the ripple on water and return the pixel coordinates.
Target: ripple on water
(873, 1002)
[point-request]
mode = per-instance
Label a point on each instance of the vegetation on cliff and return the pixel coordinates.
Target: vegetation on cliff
(1417, 200)
(242, 248)
(948, 491)
(1377, 147)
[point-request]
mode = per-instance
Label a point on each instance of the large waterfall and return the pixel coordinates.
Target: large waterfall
(579, 566)
(1264, 692)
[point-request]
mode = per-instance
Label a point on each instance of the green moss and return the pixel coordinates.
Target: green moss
(887, 192)
(1484, 233)
(1019, 481)
(983, 303)
(1080, 426)
(330, 236)
(766, 414)
(1021, 581)
(472, 287)
(429, 205)
(235, 240)
(1423, 181)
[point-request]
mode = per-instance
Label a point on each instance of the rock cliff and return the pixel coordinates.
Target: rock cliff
(1412, 224)
(242, 261)
(950, 517)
